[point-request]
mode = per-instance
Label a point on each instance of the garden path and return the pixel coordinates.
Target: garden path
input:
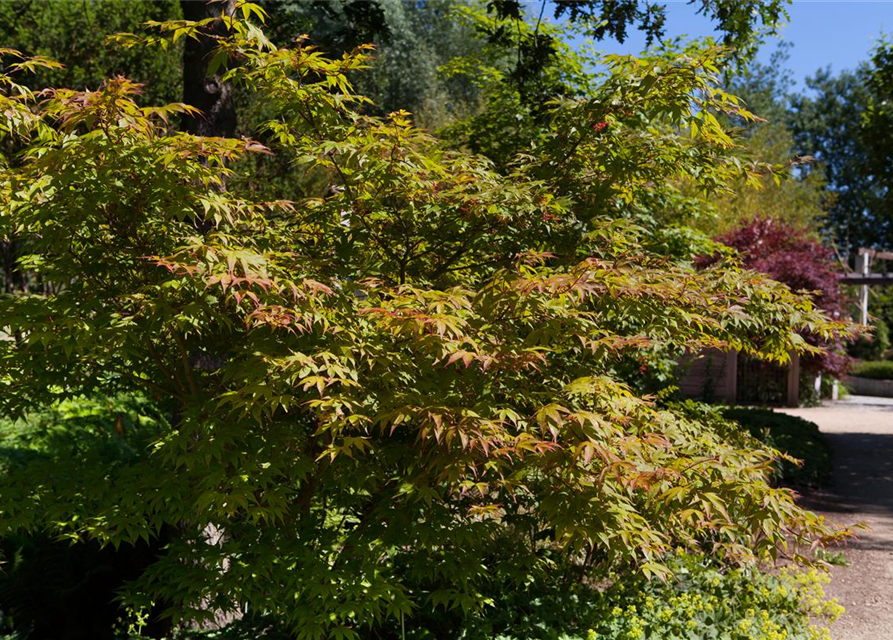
(860, 431)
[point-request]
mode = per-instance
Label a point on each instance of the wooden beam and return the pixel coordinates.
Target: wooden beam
(877, 255)
(879, 279)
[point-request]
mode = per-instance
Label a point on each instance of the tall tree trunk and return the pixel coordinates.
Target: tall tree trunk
(214, 98)
(209, 93)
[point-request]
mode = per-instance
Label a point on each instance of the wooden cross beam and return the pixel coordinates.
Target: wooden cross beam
(865, 278)
(877, 255)
(871, 279)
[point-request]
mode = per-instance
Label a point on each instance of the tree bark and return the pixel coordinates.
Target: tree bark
(209, 93)
(214, 98)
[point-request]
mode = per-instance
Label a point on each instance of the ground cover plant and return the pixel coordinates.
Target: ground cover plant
(403, 392)
(793, 436)
(703, 601)
(706, 602)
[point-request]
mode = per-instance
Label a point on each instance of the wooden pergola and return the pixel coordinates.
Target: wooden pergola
(865, 278)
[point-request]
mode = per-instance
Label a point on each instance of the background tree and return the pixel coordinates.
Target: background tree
(828, 125)
(412, 40)
(75, 30)
(795, 193)
(743, 25)
(203, 86)
(798, 198)
(876, 137)
(336, 26)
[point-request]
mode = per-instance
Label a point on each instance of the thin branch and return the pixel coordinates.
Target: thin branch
(184, 358)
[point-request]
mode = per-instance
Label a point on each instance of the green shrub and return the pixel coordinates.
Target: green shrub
(793, 436)
(706, 603)
(46, 583)
(874, 346)
(105, 429)
(877, 370)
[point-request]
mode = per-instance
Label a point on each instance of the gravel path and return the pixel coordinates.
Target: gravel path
(861, 432)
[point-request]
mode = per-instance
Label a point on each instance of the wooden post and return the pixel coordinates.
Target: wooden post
(863, 266)
(793, 398)
(732, 377)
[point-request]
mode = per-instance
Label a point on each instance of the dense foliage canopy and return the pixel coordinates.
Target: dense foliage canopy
(827, 124)
(742, 25)
(403, 391)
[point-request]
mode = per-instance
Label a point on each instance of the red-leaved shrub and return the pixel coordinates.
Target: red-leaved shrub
(791, 256)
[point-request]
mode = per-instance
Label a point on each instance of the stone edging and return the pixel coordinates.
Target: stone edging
(869, 387)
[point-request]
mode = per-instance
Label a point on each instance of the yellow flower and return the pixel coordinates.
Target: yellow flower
(635, 633)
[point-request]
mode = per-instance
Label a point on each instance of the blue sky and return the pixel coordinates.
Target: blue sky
(839, 33)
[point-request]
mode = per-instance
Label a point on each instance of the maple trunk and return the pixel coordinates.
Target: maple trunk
(208, 93)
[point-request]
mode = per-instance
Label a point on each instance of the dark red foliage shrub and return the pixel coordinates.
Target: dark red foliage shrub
(791, 256)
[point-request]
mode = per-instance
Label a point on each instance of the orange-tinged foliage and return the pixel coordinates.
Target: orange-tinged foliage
(373, 390)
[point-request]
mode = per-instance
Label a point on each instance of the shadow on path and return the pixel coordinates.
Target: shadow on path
(863, 471)
(861, 491)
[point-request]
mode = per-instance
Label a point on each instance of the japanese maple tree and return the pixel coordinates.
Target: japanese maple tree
(790, 255)
(395, 394)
